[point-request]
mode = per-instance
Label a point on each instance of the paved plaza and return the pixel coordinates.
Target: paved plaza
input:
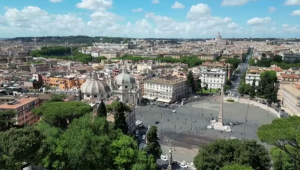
(192, 119)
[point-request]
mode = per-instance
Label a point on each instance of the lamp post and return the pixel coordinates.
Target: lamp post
(174, 137)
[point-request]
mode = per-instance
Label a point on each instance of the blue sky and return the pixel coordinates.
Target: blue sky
(151, 18)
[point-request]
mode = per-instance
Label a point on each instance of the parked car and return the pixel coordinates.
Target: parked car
(144, 137)
(164, 157)
(156, 122)
(183, 164)
(173, 111)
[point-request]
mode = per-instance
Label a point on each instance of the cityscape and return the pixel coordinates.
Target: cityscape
(158, 85)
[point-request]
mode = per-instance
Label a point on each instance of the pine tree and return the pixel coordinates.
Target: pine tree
(120, 119)
(191, 81)
(252, 90)
(101, 112)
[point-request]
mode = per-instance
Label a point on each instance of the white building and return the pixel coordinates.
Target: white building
(291, 100)
(250, 77)
(166, 89)
(214, 78)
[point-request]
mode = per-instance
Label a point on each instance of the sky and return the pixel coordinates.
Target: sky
(151, 18)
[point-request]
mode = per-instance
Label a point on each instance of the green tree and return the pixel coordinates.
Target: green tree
(153, 146)
(283, 134)
(225, 152)
(6, 119)
(144, 163)
(236, 167)
(20, 147)
(101, 111)
(281, 160)
(274, 95)
(252, 90)
(198, 85)
(120, 120)
(57, 98)
(277, 58)
(244, 88)
(86, 144)
(124, 152)
(60, 114)
(191, 81)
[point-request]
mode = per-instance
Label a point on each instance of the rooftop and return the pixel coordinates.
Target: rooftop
(171, 80)
(292, 90)
(18, 103)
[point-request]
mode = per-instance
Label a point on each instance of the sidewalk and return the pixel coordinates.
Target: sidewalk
(265, 107)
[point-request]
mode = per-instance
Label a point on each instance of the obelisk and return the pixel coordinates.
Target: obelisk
(220, 117)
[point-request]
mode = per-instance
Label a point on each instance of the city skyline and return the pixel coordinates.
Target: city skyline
(151, 18)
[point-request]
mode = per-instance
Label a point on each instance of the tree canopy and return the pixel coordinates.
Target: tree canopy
(60, 114)
(284, 134)
(191, 61)
(19, 147)
(227, 152)
(153, 146)
(6, 119)
(236, 167)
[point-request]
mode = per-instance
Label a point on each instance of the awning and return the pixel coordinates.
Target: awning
(148, 97)
(163, 100)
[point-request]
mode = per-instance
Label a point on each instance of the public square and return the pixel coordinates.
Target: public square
(192, 119)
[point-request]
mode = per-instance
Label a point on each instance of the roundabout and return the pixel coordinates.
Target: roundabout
(186, 130)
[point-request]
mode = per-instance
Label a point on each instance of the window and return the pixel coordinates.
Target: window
(95, 96)
(88, 95)
(125, 87)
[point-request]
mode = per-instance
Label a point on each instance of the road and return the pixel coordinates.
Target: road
(243, 67)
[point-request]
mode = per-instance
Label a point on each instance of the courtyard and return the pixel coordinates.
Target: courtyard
(186, 129)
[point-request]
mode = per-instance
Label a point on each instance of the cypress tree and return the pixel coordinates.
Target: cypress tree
(120, 119)
(101, 111)
(252, 90)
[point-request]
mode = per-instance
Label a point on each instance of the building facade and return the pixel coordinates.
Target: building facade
(250, 77)
(291, 100)
(213, 78)
(166, 89)
(24, 108)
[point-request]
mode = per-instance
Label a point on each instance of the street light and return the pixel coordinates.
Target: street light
(174, 137)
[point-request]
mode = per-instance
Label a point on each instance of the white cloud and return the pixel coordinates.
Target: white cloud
(234, 2)
(233, 26)
(290, 29)
(258, 21)
(272, 9)
(296, 13)
(137, 10)
(292, 2)
(155, 1)
(177, 5)
(198, 11)
(33, 21)
(55, 1)
(95, 4)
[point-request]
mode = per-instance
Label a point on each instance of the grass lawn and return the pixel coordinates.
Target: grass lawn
(208, 91)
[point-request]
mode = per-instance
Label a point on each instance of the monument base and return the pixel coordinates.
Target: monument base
(219, 126)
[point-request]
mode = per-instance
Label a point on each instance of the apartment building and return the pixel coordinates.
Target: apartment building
(23, 107)
(212, 78)
(291, 100)
(63, 83)
(166, 89)
(290, 57)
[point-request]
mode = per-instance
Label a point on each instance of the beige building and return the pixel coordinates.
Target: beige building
(166, 89)
(291, 100)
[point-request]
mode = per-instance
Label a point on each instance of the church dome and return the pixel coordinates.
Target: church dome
(125, 79)
(94, 86)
